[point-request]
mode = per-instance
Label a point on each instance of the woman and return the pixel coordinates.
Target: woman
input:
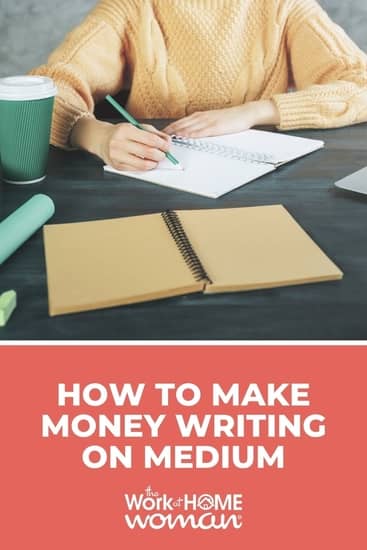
(216, 66)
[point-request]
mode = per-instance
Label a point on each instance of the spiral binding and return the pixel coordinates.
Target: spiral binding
(222, 150)
(185, 247)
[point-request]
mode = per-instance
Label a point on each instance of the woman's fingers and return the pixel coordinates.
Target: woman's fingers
(216, 122)
(196, 129)
(199, 132)
(181, 125)
(127, 147)
(131, 148)
(128, 132)
(132, 162)
(159, 133)
(136, 155)
(144, 151)
(191, 126)
(151, 136)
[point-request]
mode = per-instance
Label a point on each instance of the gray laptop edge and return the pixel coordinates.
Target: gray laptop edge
(355, 182)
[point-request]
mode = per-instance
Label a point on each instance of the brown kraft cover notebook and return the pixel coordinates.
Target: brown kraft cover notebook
(99, 264)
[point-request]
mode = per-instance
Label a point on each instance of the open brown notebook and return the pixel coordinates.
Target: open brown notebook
(106, 263)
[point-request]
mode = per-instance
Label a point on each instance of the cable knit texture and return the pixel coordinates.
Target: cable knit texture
(190, 55)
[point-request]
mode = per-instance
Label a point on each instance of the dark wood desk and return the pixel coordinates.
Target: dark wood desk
(337, 220)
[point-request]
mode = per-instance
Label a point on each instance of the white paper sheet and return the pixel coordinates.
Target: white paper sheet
(213, 175)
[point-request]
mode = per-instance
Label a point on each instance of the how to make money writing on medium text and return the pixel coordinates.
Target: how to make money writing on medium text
(238, 426)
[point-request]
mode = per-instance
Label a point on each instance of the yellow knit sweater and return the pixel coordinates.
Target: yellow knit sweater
(189, 55)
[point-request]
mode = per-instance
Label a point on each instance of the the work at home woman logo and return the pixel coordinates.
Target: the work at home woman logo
(153, 510)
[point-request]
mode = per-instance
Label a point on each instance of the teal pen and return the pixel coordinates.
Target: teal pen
(135, 123)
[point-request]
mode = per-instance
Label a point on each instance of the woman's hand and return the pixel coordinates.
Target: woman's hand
(122, 145)
(225, 121)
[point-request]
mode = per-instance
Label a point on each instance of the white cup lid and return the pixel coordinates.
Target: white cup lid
(21, 88)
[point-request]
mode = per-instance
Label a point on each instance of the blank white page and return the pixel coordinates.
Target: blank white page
(204, 173)
(213, 166)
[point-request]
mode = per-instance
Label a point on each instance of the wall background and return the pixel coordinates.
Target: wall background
(30, 29)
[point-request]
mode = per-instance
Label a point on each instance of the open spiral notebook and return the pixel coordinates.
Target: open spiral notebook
(121, 261)
(216, 165)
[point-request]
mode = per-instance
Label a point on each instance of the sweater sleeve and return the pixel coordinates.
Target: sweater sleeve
(88, 65)
(329, 72)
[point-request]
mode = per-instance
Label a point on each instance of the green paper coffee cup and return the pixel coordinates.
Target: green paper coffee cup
(26, 105)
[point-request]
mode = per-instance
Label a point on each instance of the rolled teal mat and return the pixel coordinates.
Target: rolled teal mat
(22, 223)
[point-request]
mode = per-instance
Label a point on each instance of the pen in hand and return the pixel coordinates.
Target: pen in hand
(135, 123)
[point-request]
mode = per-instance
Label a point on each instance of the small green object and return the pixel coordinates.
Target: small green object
(172, 158)
(22, 223)
(134, 122)
(8, 303)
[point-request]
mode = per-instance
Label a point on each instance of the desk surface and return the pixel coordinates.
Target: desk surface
(336, 219)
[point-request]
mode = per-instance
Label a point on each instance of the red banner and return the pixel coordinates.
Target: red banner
(131, 447)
